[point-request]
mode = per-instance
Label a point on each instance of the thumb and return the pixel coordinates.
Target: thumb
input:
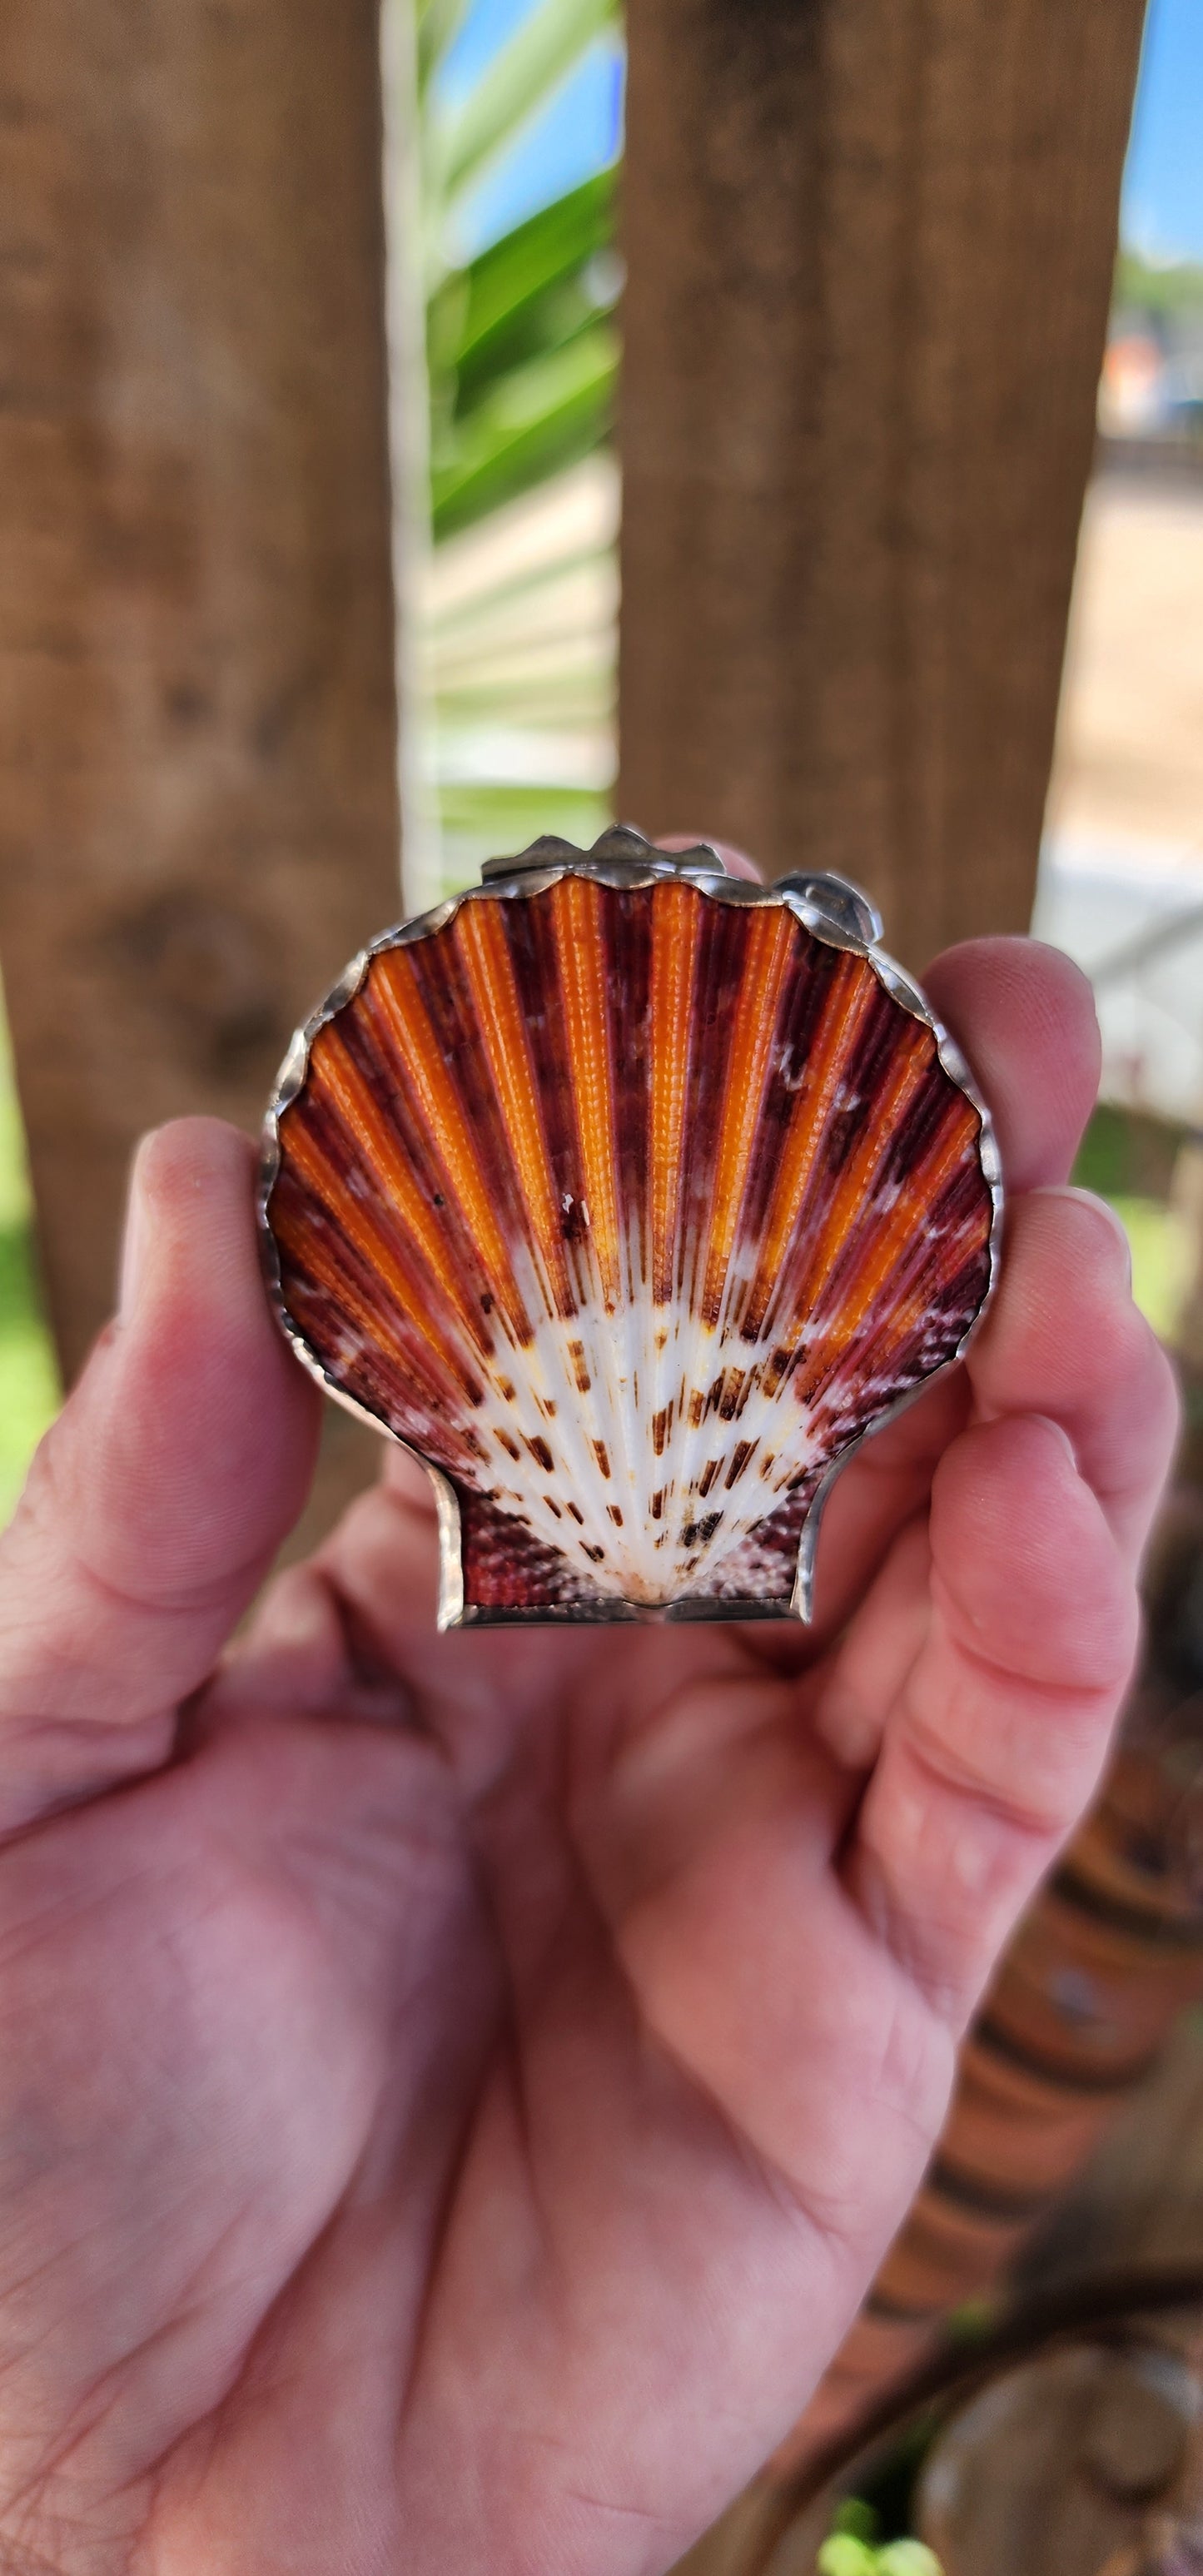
(156, 1503)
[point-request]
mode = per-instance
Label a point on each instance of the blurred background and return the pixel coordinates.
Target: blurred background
(785, 425)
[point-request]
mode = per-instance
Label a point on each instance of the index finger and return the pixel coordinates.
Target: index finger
(1023, 1016)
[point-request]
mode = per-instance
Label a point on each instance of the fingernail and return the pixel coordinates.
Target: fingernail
(135, 1238)
(1091, 1199)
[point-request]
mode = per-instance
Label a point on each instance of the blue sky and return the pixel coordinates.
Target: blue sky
(1163, 186)
(578, 132)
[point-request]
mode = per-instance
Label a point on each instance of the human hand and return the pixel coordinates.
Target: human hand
(455, 2091)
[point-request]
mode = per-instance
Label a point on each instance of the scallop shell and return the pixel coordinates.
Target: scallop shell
(629, 1196)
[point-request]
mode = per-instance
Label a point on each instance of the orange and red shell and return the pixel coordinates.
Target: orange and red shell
(630, 1201)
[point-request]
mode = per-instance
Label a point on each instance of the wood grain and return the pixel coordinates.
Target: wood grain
(197, 718)
(869, 247)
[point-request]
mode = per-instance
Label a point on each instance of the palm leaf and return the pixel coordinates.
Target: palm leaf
(517, 616)
(494, 600)
(531, 291)
(539, 419)
(438, 24)
(546, 47)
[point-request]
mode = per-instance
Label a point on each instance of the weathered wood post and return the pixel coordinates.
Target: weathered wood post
(869, 246)
(197, 721)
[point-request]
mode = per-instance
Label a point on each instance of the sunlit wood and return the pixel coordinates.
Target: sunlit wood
(196, 648)
(869, 247)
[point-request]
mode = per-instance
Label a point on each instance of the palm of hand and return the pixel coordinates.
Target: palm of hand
(451, 2110)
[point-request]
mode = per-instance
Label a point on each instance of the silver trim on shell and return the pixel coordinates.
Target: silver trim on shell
(833, 910)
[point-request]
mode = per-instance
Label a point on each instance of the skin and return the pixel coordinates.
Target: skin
(454, 2093)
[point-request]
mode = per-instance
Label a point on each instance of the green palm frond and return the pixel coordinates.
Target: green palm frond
(527, 293)
(515, 85)
(532, 423)
(521, 626)
(438, 24)
(519, 609)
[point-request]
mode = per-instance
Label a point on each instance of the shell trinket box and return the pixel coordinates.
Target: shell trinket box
(629, 1197)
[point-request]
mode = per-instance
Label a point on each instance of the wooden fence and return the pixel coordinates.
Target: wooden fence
(868, 247)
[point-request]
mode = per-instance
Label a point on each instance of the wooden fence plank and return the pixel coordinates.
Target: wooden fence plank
(197, 718)
(869, 247)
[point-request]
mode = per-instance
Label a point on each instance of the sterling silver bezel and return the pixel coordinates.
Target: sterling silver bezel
(834, 910)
